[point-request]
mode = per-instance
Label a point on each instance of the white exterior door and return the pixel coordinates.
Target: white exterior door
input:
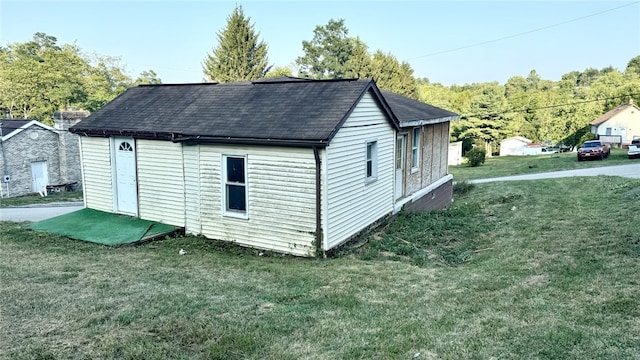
(400, 161)
(126, 187)
(39, 176)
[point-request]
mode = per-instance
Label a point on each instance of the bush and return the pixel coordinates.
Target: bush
(462, 187)
(476, 156)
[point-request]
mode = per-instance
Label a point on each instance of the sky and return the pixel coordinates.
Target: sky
(452, 42)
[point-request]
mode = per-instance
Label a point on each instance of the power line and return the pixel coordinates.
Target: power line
(523, 33)
(554, 106)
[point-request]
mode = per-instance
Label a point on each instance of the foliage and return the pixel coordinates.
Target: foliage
(148, 77)
(557, 112)
(240, 54)
(279, 72)
(327, 54)
(476, 156)
(332, 54)
(39, 77)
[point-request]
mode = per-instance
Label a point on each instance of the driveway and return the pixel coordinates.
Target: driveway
(38, 212)
(628, 170)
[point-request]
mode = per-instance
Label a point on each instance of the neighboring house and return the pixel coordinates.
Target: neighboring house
(514, 145)
(618, 126)
(291, 165)
(34, 155)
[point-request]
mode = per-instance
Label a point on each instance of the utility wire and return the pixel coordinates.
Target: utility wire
(551, 106)
(523, 33)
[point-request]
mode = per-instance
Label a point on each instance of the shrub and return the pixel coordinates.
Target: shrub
(476, 156)
(462, 187)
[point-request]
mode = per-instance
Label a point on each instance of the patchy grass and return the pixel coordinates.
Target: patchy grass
(35, 199)
(516, 270)
(517, 165)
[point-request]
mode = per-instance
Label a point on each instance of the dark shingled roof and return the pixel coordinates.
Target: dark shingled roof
(282, 110)
(7, 126)
(410, 111)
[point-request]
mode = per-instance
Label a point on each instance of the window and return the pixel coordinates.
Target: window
(372, 161)
(235, 185)
(415, 149)
(608, 131)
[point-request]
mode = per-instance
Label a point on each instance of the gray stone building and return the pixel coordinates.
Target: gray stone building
(34, 155)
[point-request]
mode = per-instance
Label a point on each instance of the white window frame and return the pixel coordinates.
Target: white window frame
(415, 149)
(371, 156)
(224, 198)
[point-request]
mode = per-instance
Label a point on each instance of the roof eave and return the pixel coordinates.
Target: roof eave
(199, 139)
(420, 122)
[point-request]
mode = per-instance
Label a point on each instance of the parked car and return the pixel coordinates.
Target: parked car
(634, 149)
(593, 149)
(550, 150)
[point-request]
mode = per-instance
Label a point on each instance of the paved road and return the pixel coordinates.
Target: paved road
(629, 170)
(38, 212)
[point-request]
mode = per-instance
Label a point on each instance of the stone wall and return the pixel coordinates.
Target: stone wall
(69, 149)
(31, 145)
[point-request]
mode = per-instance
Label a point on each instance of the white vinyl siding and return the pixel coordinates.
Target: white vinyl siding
(354, 204)
(160, 182)
(97, 175)
(281, 195)
(191, 156)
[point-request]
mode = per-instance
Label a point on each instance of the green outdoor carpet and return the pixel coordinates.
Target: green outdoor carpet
(102, 227)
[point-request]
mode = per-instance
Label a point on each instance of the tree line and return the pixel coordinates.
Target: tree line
(38, 77)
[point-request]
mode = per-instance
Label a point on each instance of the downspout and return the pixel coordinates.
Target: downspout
(319, 250)
(4, 161)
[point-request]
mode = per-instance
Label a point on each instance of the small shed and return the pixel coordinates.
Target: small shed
(291, 165)
(514, 145)
(455, 153)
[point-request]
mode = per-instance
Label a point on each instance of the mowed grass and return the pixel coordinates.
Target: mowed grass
(517, 165)
(515, 270)
(36, 199)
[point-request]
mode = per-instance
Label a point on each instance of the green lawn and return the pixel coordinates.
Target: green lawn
(35, 199)
(516, 165)
(518, 270)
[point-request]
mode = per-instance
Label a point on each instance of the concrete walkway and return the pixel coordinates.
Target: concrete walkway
(38, 212)
(630, 171)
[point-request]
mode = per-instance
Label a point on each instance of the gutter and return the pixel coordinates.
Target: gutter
(404, 124)
(316, 156)
(248, 141)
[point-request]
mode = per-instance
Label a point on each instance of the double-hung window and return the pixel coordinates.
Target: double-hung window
(415, 150)
(372, 161)
(235, 185)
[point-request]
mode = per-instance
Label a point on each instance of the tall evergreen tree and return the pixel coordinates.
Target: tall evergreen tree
(240, 55)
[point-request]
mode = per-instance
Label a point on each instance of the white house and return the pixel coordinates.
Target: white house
(291, 165)
(619, 125)
(514, 145)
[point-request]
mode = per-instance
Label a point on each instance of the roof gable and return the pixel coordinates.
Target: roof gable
(613, 113)
(12, 127)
